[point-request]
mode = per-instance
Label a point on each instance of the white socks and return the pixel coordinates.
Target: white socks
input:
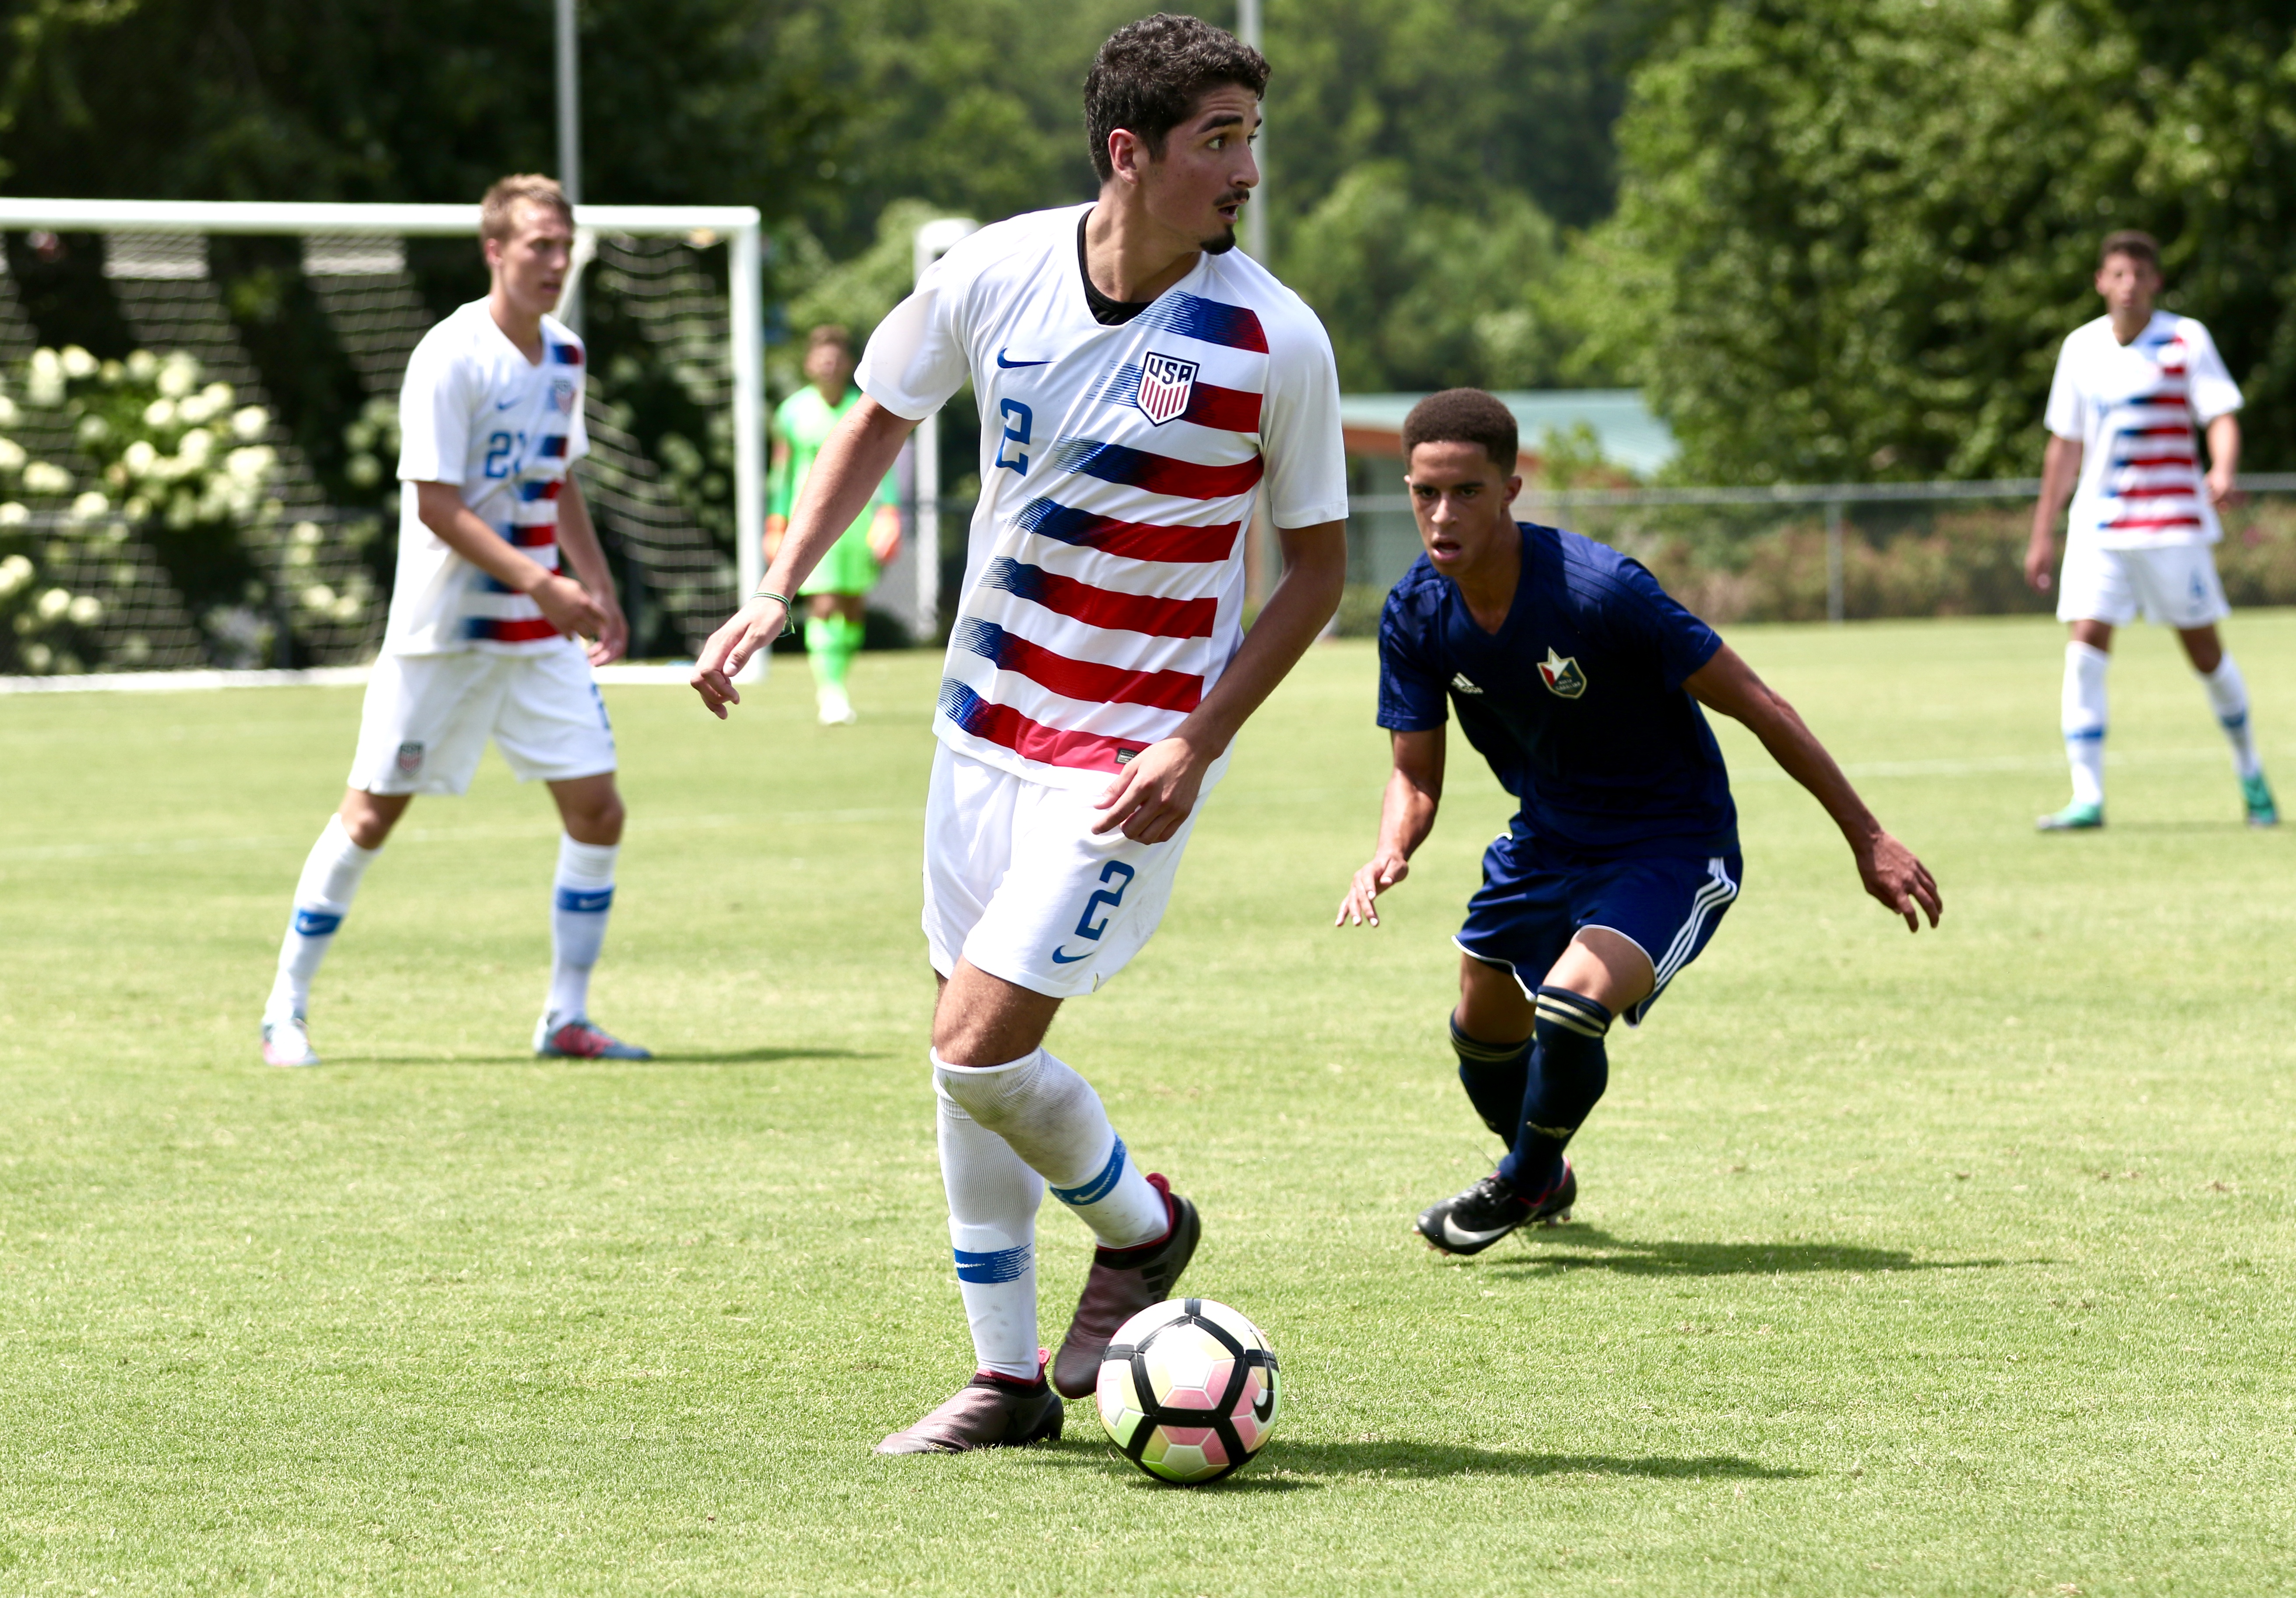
(992, 1227)
(2082, 719)
(580, 898)
(323, 897)
(2228, 697)
(1006, 1132)
(1054, 1121)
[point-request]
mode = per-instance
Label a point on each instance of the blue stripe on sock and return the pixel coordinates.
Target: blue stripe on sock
(586, 901)
(1005, 1264)
(2233, 724)
(1100, 1186)
(2087, 735)
(315, 923)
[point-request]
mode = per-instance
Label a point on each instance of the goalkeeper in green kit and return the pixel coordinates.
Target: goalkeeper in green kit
(834, 593)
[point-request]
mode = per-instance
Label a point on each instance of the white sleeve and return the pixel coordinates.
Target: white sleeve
(434, 417)
(1300, 428)
(917, 356)
(2067, 415)
(577, 428)
(2213, 391)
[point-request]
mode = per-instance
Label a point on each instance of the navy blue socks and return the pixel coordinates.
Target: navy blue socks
(1495, 1076)
(1569, 1069)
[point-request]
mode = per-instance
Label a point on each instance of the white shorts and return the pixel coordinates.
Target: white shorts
(428, 718)
(2175, 585)
(1017, 882)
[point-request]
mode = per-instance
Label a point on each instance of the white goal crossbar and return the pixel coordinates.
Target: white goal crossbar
(739, 225)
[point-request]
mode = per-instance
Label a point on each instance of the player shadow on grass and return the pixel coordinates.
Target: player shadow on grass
(760, 1056)
(1293, 1466)
(1579, 1247)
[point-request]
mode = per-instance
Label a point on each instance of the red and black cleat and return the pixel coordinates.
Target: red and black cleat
(1123, 1283)
(989, 1411)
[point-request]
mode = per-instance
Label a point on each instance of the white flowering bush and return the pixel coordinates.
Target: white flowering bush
(162, 453)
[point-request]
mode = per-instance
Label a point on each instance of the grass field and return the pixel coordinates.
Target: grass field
(1957, 1264)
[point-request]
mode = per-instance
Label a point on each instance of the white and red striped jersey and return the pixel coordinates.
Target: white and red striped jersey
(475, 412)
(1105, 585)
(2133, 408)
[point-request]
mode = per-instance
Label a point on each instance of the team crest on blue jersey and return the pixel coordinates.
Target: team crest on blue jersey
(1562, 675)
(1167, 383)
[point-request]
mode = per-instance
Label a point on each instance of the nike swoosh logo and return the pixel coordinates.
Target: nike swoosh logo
(505, 404)
(1009, 365)
(1453, 1232)
(1069, 960)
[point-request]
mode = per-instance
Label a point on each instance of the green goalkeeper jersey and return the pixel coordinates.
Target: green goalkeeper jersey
(803, 422)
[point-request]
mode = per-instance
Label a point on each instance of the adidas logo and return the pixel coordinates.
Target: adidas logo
(1460, 682)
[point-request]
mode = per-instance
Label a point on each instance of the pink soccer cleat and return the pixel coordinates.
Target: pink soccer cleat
(578, 1039)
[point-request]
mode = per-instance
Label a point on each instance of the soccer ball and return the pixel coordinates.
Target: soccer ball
(1188, 1391)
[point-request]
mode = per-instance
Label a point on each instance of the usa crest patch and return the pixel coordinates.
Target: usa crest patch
(1562, 675)
(410, 759)
(1167, 384)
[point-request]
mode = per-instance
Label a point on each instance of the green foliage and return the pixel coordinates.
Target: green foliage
(1417, 295)
(406, 99)
(1852, 233)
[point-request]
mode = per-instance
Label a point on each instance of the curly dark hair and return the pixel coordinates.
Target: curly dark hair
(1464, 416)
(1147, 76)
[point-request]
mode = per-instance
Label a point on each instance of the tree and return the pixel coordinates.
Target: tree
(1852, 233)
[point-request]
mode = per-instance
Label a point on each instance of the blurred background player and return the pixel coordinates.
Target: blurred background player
(1145, 385)
(835, 593)
(2127, 390)
(481, 638)
(1580, 680)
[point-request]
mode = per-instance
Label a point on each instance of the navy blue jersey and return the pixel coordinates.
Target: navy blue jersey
(1576, 701)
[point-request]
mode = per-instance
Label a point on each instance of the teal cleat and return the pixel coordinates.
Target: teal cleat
(2075, 817)
(2257, 794)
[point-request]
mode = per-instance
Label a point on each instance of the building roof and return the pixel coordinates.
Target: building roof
(1630, 435)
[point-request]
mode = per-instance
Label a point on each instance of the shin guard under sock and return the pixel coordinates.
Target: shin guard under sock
(2082, 719)
(581, 898)
(992, 1229)
(1569, 1070)
(322, 898)
(1497, 1076)
(1056, 1123)
(2228, 697)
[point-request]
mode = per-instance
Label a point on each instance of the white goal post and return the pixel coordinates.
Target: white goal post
(339, 227)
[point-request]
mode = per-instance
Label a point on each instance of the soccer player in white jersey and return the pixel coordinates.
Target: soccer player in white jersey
(1142, 387)
(482, 637)
(2129, 388)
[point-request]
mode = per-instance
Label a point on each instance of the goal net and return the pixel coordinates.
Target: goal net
(199, 420)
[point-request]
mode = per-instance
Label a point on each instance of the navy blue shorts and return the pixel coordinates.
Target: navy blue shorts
(1534, 899)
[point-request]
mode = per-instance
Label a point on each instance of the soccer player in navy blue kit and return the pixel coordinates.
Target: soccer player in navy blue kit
(1580, 680)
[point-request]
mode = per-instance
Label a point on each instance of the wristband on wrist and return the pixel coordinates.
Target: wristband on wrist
(787, 608)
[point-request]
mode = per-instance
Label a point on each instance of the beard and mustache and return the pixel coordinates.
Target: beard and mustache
(1225, 240)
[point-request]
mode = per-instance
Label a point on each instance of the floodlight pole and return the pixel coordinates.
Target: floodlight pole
(934, 240)
(1255, 211)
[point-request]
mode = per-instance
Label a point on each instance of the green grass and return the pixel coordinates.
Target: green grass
(1955, 1264)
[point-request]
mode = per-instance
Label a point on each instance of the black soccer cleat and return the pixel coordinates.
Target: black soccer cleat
(1124, 1282)
(989, 1411)
(1470, 1221)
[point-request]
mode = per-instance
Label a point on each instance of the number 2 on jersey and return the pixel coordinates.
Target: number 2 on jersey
(502, 448)
(1018, 420)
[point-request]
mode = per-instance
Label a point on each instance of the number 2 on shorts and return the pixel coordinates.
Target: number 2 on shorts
(1117, 872)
